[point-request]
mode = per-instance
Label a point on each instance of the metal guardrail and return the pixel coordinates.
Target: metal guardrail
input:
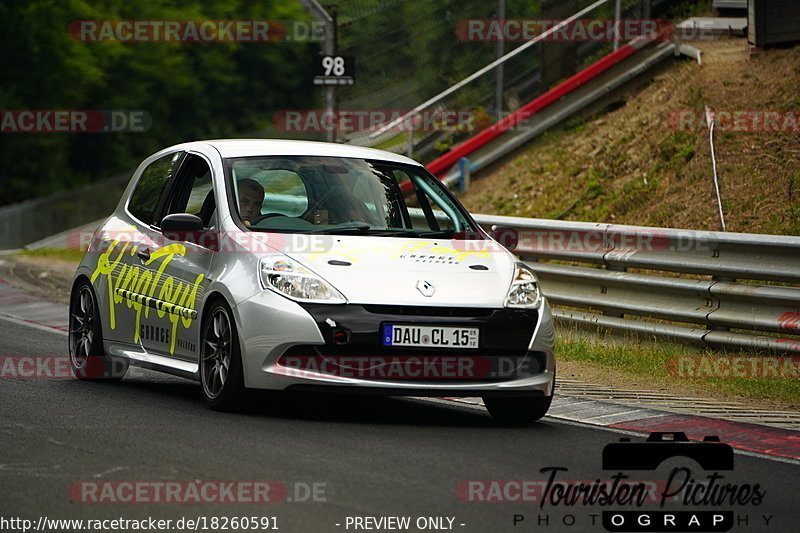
(716, 310)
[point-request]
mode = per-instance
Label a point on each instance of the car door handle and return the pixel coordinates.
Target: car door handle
(144, 255)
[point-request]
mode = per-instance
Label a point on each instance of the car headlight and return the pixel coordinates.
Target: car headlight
(288, 277)
(524, 291)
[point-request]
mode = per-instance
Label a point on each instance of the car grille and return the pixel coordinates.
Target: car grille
(414, 310)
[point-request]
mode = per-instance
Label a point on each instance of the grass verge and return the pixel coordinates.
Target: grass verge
(636, 362)
(61, 255)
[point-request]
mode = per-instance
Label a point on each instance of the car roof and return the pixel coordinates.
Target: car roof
(278, 147)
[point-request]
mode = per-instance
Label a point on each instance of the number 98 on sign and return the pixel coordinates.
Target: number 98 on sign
(334, 70)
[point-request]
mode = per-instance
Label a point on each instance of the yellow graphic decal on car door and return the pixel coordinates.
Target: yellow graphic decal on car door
(136, 286)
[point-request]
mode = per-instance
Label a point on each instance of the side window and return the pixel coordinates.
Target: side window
(148, 191)
(193, 192)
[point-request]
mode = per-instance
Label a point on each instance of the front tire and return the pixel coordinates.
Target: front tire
(221, 375)
(518, 411)
(86, 355)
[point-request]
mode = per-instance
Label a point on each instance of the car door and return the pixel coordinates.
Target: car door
(127, 243)
(180, 265)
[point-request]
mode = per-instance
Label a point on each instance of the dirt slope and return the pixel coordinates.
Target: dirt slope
(635, 165)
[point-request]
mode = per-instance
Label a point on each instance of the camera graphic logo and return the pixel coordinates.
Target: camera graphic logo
(710, 454)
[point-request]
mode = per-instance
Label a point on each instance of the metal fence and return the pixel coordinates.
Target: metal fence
(500, 85)
(29, 221)
(682, 285)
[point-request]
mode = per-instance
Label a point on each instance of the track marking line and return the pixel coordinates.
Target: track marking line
(33, 324)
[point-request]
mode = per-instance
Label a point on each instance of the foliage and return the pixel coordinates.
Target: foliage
(191, 90)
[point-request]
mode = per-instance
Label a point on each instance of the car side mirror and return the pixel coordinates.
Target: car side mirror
(188, 228)
(181, 222)
(507, 237)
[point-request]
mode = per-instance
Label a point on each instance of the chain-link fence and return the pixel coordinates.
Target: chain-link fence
(29, 221)
(408, 51)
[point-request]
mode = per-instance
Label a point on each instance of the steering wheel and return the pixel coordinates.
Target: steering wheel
(262, 217)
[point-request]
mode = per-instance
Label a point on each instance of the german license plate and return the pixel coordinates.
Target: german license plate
(430, 336)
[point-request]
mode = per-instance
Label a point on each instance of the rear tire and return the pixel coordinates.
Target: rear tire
(221, 375)
(86, 354)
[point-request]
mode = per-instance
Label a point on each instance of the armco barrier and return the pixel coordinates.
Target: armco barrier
(716, 310)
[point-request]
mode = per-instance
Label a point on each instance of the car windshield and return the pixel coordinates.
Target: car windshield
(333, 195)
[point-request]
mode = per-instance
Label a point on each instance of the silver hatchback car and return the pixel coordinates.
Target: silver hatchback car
(291, 265)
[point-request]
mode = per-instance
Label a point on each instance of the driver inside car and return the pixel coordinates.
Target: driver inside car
(251, 197)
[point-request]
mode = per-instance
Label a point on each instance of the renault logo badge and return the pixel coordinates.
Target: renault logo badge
(425, 288)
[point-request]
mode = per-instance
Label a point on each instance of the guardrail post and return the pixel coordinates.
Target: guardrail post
(712, 327)
(646, 5)
(614, 268)
(499, 71)
(463, 175)
(328, 48)
(410, 141)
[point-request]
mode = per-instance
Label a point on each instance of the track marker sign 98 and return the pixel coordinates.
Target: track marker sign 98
(335, 70)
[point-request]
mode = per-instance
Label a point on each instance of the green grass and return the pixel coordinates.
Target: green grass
(650, 363)
(61, 255)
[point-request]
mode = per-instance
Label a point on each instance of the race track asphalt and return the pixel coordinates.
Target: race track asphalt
(368, 456)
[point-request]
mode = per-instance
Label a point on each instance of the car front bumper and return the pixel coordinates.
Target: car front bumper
(293, 346)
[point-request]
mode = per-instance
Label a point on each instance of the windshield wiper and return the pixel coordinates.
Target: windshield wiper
(361, 229)
(436, 234)
(393, 232)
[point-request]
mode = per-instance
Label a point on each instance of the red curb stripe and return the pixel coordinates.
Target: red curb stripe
(741, 435)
